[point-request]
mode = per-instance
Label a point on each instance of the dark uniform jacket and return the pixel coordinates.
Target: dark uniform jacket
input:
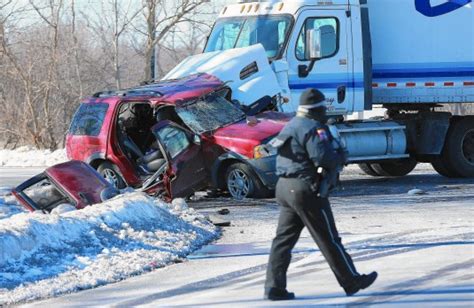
(303, 145)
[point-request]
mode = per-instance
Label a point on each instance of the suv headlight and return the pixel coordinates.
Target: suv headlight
(264, 150)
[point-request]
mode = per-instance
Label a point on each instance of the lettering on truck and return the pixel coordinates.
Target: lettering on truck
(425, 7)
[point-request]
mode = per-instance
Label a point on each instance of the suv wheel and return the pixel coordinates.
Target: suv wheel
(242, 182)
(110, 173)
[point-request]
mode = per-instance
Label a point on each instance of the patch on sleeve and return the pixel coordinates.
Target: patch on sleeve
(322, 134)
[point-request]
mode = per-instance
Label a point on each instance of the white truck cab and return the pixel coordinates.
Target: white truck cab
(409, 56)
(364, 45)
(282, 28)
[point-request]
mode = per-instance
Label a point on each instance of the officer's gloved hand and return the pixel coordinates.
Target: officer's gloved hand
(344, 156)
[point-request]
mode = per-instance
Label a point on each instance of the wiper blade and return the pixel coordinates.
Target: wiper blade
(222, 87)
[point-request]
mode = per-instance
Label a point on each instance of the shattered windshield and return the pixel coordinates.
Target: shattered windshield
(236, 32)
(209, 113)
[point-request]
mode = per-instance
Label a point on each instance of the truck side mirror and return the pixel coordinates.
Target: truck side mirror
(320, 43)
(313, 51)
(313, 43)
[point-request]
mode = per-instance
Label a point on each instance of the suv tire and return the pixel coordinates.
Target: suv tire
(111, 174)
(241, 182)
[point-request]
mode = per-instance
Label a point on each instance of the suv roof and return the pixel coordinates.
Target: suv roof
(169, 91)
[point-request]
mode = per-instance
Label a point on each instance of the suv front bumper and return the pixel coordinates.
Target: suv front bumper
(265, 168)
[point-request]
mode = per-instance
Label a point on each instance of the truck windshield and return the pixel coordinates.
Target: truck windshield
(236, 32)
(209, 113)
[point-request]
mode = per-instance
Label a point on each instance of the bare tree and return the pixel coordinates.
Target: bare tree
(55, 52)
(77, 62)
(53, 21)
(179, 44)
(31, 59)
(111, 22)
(18, 73)
(162, 17)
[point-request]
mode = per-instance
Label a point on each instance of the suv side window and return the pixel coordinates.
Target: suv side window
(88, 119)
(329, 27)
(45, 195)
(174, 140)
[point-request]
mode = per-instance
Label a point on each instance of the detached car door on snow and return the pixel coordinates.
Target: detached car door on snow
(74, 182)
(183, 150)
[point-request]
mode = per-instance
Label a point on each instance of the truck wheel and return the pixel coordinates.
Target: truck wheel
(242, 182)
(459, 148)
(111, 174)
(399, 167)
(439, 164)
(367, 169)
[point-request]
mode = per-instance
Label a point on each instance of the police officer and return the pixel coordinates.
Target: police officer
(304, 147)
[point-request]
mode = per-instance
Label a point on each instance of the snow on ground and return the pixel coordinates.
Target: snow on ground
(8, 204)
(44, 255)
(27, 157)
(421, 245)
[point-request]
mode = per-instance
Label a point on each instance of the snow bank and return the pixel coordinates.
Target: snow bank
(8, 204)
(45, 255)
(31, 157)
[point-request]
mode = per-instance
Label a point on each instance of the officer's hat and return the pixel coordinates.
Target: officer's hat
(311, 99)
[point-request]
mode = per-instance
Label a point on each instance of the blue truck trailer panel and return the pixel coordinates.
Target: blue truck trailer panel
(422, 53)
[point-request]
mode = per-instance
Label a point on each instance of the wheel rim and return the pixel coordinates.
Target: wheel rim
(238, 184)
(111, 177)
(468, 146)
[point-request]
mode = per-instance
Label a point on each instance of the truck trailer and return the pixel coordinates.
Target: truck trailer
(414, 58)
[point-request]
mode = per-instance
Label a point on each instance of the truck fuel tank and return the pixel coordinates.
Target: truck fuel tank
(371, 140)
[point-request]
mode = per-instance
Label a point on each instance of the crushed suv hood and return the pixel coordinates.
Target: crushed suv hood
(246, 70)
(241, 138)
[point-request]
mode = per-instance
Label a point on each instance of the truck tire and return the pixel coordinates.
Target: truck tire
(241, 182)
(111, 174)
(439, 164)
(367, 169)
(399, 167)
(459, 148)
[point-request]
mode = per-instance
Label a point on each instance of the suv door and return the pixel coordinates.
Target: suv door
(187, 170)
(332, 74)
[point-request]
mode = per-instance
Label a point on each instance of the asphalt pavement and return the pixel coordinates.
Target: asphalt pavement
(12, 176)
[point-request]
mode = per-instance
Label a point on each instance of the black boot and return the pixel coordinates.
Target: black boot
(362, 282)
(275, 294)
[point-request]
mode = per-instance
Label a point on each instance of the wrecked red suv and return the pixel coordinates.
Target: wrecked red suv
(176, 137)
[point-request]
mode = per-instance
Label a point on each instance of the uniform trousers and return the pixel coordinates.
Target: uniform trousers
(301, 207)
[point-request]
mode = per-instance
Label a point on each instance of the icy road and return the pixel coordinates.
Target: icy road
(421, 245)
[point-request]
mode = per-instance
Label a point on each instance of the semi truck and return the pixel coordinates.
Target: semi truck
(413, 58)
